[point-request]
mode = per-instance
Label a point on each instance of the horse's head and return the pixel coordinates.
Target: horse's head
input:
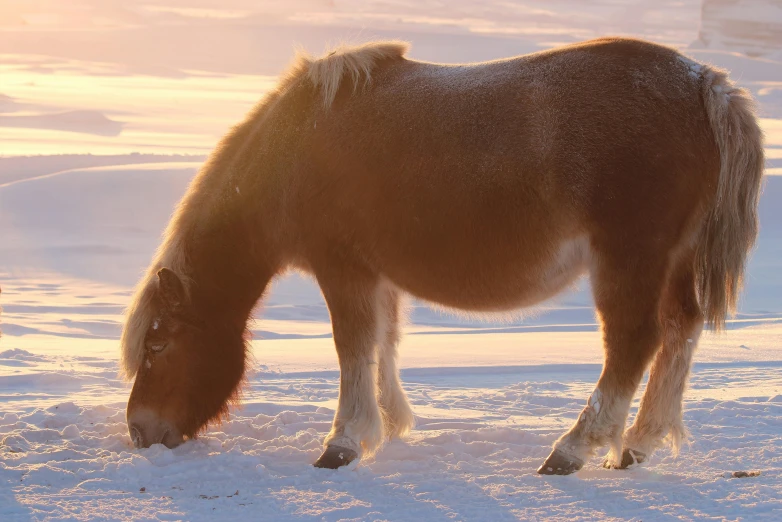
(189, 371)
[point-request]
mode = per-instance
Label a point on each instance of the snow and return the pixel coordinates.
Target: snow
(480, 436)
(695, 69)
(490, 397)
(594, 400)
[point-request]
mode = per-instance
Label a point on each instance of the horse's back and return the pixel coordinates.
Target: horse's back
(567, 125)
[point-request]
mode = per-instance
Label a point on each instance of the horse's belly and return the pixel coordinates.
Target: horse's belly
(570, 261)
(499, 286)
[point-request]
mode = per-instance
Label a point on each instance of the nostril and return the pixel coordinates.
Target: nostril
(135, 436)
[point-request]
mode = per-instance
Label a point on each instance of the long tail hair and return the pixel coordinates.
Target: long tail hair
(731, 228)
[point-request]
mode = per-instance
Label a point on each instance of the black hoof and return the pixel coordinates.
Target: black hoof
(559, 464)
(630, 458)
(336, 456)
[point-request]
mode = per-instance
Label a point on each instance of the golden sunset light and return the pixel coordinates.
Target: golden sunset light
(390, 260)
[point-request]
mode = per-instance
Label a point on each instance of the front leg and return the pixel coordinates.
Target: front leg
(358, 426)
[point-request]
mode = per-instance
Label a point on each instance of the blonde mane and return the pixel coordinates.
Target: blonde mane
(326, 73)
(203, 192)
(139, 314)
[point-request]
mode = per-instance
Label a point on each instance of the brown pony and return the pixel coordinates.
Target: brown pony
(484, 187)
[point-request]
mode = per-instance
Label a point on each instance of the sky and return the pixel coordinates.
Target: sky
(171, 76)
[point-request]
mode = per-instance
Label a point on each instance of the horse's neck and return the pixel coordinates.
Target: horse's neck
(227, 275)
(230, 261)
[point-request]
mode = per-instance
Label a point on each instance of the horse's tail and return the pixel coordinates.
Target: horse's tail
(731, 226)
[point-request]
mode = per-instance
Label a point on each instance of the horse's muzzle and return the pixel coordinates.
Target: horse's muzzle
(146, 429)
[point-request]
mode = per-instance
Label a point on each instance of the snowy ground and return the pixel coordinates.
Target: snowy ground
(483, 427)
(166, 79)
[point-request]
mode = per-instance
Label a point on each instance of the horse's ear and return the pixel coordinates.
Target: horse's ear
(172, 291)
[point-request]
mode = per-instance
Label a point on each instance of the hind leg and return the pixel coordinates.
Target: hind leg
(627, 295)
(398, 417)
(358, 426)
(660, 414)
